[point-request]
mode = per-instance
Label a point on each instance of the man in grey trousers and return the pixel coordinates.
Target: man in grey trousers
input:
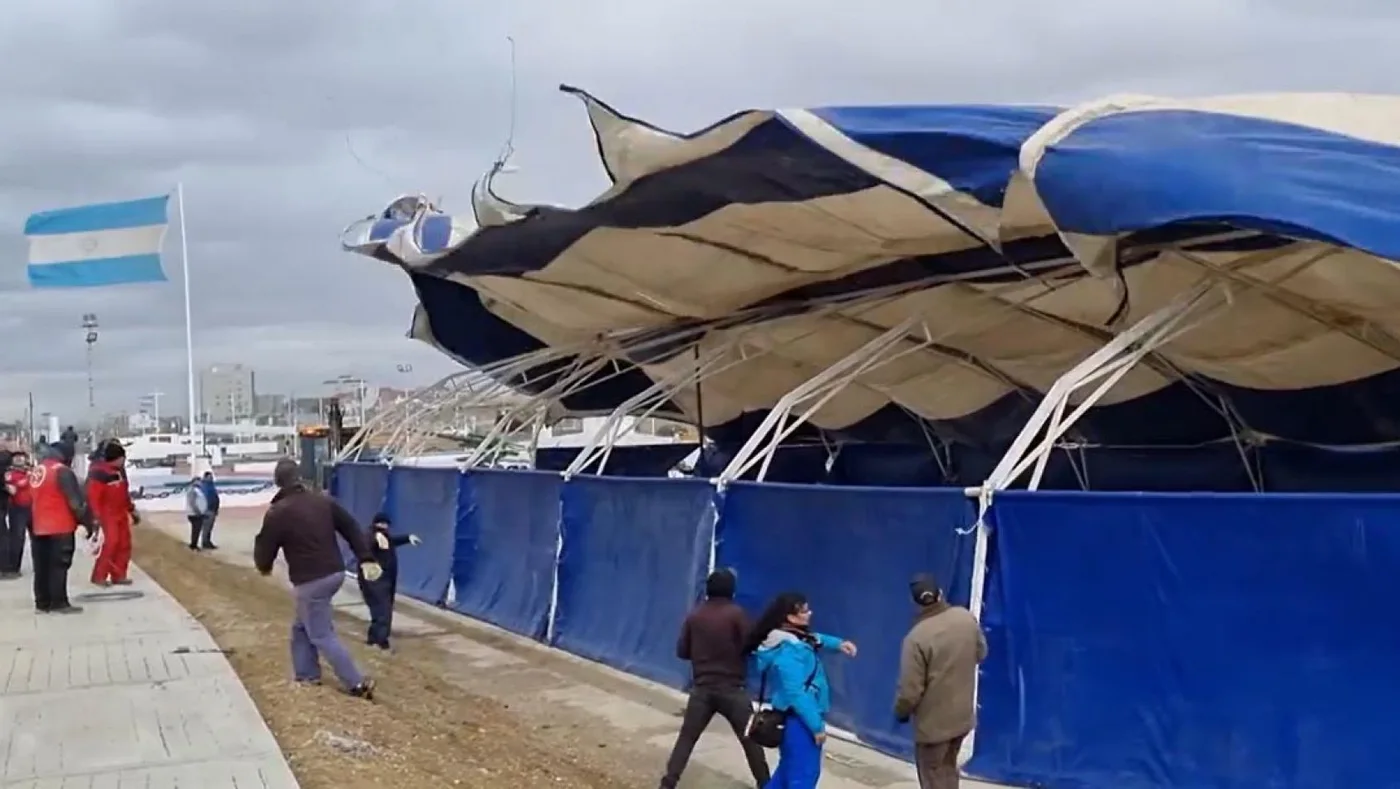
(302, 525)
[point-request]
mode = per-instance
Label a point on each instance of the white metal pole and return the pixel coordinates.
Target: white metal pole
(189, 320)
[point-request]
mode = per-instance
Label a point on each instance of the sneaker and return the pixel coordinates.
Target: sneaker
(209, 546)
(123, 582)
(314, 682)
(40, 610)
(101, 584)
(68, 609)
(364, 690)
(194, 548)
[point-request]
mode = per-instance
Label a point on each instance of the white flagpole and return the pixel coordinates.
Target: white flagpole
(189, 322)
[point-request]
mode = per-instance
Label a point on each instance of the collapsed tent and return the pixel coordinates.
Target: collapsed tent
(938, 269)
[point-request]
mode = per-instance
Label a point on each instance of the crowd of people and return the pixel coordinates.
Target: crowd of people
(45, 505)
(934, 690)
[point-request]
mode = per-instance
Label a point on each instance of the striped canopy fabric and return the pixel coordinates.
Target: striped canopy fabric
(1023, 237)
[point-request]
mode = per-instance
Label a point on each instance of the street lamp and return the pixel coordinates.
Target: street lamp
(89, 326)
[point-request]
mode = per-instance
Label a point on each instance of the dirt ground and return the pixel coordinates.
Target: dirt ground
(422, 732)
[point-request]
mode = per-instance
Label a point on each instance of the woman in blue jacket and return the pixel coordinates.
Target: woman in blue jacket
(785, 655)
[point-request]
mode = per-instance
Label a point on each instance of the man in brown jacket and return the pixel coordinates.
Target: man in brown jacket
(937, 676)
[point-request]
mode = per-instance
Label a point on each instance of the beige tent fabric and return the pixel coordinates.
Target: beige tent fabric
(1303, 315)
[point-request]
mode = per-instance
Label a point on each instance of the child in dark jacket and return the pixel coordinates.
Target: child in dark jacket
(379, 594)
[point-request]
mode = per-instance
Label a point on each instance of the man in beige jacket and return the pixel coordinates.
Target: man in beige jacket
(937, 675)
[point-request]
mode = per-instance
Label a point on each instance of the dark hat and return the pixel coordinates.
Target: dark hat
(112, 450)
(924, 589)
(721, 584)
(381, 517)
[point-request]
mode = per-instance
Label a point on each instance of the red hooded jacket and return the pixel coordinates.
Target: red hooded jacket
(108, 493)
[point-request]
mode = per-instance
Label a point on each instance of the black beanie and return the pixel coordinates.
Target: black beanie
(721, 584)
(112, 450)
(924, 589)
(380, 518)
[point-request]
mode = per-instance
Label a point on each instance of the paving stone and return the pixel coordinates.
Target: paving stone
(130, 693)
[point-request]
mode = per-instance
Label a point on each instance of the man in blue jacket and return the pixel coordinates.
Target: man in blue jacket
(211, 513)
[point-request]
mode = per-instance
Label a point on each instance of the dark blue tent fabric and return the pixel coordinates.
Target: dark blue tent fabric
(634, 559)
(852, 551)
(424, 502)
(507, 537)
(643, 460)
(1192, 642)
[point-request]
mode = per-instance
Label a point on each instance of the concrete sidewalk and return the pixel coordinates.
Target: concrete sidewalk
(131, 692)
(537, 681)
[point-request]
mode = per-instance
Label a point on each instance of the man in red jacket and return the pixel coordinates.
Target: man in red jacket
(58, 507)
(110, 498)
(14, 531)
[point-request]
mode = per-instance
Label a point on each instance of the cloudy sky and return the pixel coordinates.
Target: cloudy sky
(286, 121)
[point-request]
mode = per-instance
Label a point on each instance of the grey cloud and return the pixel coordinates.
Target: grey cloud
(285, 121)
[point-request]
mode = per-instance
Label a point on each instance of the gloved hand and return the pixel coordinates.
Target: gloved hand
(135, 518)
(414, 539)
(371, 571)
(382, 540)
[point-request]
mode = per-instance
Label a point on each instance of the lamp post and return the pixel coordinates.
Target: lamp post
(89, 326)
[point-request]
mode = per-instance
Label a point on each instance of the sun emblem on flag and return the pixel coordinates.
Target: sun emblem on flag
(89, 244)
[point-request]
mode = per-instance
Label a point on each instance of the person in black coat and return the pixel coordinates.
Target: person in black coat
(379, 594)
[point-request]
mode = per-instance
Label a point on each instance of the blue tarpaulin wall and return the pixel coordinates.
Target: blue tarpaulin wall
(1192, 641)
(852, 551)
(634, 558)
(423, 501)
(363, 489)
(1137, 641)
(507, 538)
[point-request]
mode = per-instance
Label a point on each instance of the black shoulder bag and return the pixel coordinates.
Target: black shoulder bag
(767, 725)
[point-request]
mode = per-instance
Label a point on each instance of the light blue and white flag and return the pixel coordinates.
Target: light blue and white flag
(95, 245)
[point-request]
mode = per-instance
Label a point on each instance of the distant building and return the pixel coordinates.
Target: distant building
(227, 393)
(271, 406)
(309, 409)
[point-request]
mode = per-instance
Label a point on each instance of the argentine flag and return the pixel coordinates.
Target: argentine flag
(95, 245)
